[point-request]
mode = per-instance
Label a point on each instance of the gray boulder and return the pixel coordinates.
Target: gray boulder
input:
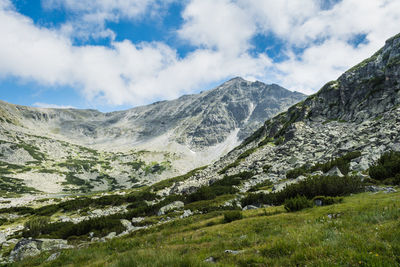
(24, 249)
(54, 244)
(250, 207)
(3, 238)
(32, 247)
(334, 172)
(186, 213)
(127, 224)
(53, 256)
(172, 206)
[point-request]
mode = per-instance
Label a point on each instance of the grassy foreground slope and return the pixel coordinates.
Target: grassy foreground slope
(363, 230)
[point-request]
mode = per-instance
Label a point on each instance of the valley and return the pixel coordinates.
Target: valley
(315, 185)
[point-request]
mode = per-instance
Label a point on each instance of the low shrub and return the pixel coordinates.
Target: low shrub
(18, 210)
(310, 187)
(220, 187)
(100, 226)
(326, 201)
(232, 215)
(247, 153)
(266, 183)
(35, 226)
(297, 203)
(293, 174)
(387, 167)
(266, 141)
(343, 163)
(3, 221)
(235, 179)
(169, 182)
(229, 166)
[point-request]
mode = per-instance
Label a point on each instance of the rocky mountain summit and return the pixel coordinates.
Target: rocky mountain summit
(70, 150)
(358, 112)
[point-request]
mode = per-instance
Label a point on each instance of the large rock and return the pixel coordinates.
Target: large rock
(32, 247)
(127, 224)
(334, 172)
(172, 206)
(3, 238)
(24, 249)
(54, 244)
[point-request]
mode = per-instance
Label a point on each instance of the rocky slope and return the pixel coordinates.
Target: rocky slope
(355, 119)
(69, 150)
(360, 111)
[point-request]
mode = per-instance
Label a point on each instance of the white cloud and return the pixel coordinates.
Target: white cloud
(217, 24)
(327, 35)
(45, 105)
(124, 73)
(89, 17)
(222, 33)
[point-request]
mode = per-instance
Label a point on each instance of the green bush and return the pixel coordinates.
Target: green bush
(235, 179)
(232, 215)
(310, 188)
(220, 187)
(169, 182)
(266, 141)
(266, 183)
(3, 221)
(230, 166)
(297, 203)
(293, 174)
(387, 167)
(35, 226)
(247, 153)
(18, 210)
(343, 163)
(326, 201)
(101, 226)
(279, 141)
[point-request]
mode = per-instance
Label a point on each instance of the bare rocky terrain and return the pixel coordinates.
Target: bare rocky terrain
(77, 151)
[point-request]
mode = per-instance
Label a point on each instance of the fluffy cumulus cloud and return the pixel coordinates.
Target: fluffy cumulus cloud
(45, 105)
(89, 17)
(321, 39)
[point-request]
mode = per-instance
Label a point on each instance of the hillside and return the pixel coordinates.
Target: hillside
(315, 185)
(69, 150)
(362, 231)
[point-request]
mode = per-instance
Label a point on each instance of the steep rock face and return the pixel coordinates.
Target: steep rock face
(358, 112)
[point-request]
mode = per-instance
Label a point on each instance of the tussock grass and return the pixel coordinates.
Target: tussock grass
(363, 230)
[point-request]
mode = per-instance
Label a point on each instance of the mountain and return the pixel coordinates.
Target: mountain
(357, 113)
(330, 155)
(55, 150)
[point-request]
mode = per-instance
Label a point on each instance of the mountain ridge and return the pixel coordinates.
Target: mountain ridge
(161, 140)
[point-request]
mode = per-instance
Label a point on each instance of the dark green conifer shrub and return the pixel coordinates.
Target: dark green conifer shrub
(387, 168)
(297, 203)
(232, 215)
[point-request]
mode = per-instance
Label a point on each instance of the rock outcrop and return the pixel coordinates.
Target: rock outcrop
(358, 112)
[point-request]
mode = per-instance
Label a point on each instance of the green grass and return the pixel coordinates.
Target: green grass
(364, 230)
(169, 182)
(11, 186)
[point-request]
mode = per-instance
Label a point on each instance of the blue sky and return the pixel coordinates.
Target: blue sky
(116, 54)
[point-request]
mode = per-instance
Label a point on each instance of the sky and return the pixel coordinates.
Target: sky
(116, 54)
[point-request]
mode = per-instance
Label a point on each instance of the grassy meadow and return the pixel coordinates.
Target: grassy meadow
(363, 230)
